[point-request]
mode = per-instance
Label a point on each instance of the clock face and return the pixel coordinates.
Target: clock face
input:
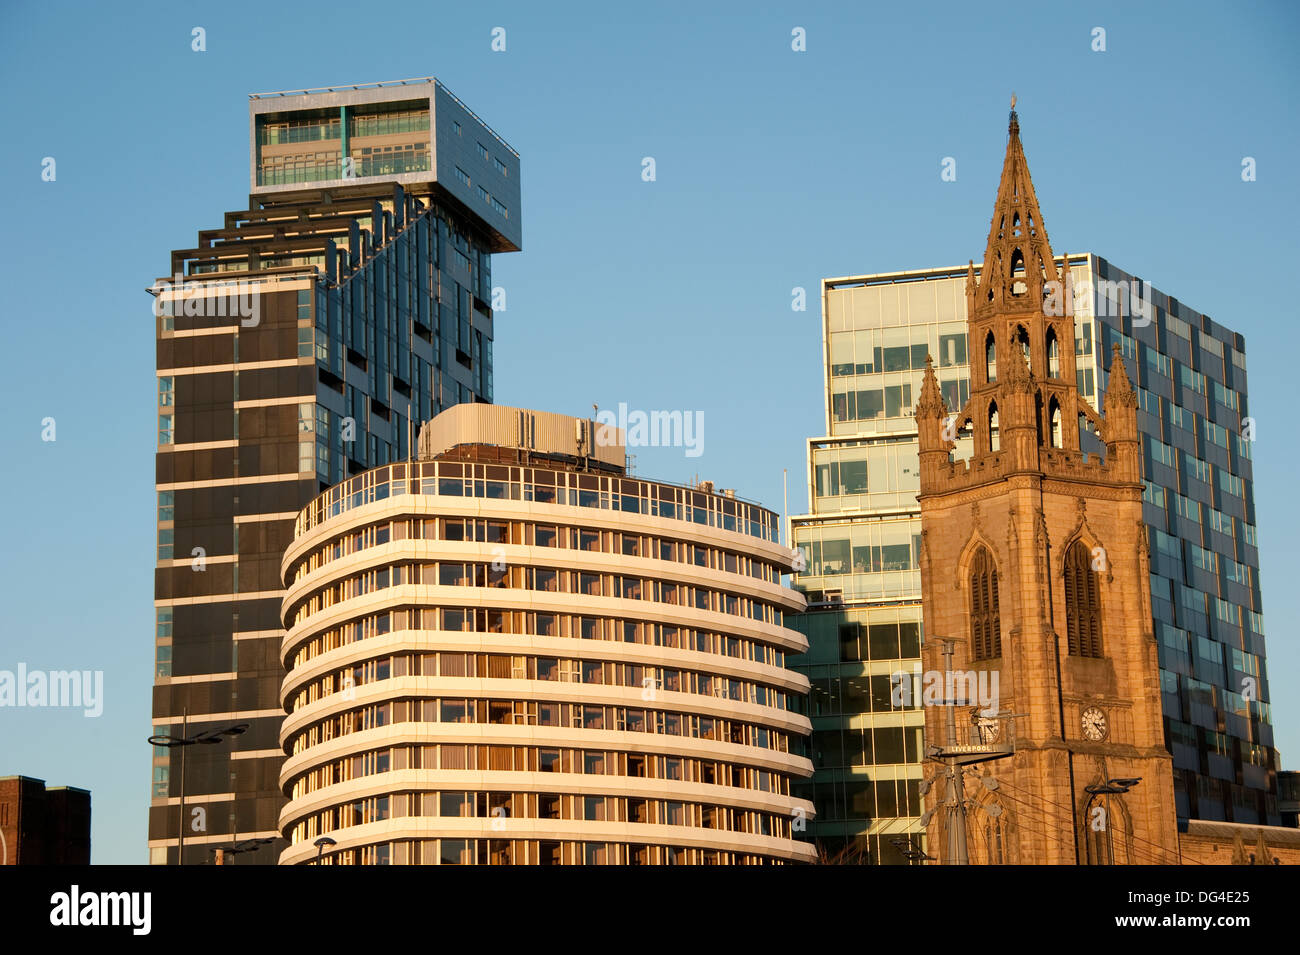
(1094, 724)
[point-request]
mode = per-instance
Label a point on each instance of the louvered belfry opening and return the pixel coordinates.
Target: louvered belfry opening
(985, 623)
(1082, 602)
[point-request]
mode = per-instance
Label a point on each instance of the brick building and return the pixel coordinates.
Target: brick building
(43, 826)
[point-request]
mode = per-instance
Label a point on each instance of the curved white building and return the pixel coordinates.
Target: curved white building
(511, 652)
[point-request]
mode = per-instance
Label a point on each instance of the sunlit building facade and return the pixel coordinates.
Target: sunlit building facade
(512, 652)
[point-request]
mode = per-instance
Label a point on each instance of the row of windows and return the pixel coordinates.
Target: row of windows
(388, 123)
(390, 160)
(615, 718)
(528, 533)
(541, 759)
(897, 358)
(1197, 425)
(544, 579)
(366, 161)
(1171, 550)
(850, 695)
(1219, 744)
(879, 641)
(1187, 377)
(845, 556)
(543, 486)
(534, 852)
(1194, 468)
(858, 352)
(298, 167)
(867, 746)
(886, 465)
(487, 197)
(359, 124)
(300, 131)
(894, 401)
(1217, 698)
(501, 806)
(650, 680)
(470, 620)
(285, 170)
(1197, 512)
(863, 799)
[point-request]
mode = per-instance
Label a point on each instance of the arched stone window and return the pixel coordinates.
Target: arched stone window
(1018, 285)
(995, 438)
(990, 359)
(1055, 417)
(985, 621)
(1082, 602)
(1053, 355)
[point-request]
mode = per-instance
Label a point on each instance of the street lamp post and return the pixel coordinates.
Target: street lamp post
(1111, 787)
(320, 845)
(235, 848)
(209, 737)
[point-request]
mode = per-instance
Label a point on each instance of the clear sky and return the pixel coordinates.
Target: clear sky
(774, 168)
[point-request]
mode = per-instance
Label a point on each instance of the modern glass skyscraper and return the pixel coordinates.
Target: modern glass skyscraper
(298, 344)
(860, 542)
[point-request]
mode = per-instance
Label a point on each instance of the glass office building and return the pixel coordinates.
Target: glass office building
(860, 543)
(299, 343)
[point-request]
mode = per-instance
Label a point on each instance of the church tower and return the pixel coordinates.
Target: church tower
(1034, 565)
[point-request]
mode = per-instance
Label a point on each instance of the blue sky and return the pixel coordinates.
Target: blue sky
(774, 169)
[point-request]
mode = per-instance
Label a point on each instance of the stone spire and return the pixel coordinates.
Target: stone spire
(1119, 393)
(1123, 444)
(931, 403)
(1018, 259)
(933, 444)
